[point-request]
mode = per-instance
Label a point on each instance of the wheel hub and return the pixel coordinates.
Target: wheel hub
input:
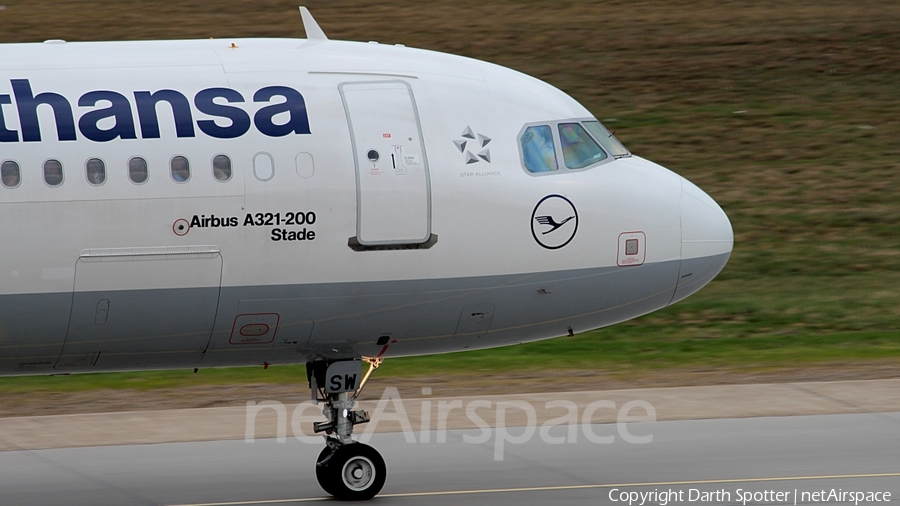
(358, 473)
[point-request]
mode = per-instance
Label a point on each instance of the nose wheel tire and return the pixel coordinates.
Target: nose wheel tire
(322, 471)
(352, 471)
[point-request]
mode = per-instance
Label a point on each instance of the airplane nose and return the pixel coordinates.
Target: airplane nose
(706, 240)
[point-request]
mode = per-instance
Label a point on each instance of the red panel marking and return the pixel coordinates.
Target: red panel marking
(632, 260)
(240, 338)
(254, 329)
(181, 227)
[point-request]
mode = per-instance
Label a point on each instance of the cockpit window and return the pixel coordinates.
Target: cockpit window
(538, 149)
(579, 149)
(607, 140)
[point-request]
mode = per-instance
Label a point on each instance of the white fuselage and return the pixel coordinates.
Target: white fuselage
(309, 246)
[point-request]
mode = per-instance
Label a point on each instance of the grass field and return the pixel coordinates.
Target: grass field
(786, 112)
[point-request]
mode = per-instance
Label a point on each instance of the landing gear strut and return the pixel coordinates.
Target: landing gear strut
(346, 469)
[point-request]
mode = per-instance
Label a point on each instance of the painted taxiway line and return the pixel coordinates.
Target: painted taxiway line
(562, 487)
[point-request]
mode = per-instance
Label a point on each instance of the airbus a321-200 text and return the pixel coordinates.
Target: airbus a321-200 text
(209, 203)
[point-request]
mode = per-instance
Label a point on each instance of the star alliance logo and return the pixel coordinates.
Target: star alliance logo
(474, 142)
(554, 221)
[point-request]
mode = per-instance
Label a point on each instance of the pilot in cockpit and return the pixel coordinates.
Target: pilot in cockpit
(538, 150)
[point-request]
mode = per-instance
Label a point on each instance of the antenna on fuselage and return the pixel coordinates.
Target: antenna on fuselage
(309, 24)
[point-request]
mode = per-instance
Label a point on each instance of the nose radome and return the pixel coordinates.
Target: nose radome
(706, 240)
(705, 229)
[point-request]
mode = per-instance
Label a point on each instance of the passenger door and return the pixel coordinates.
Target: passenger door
(393, 186)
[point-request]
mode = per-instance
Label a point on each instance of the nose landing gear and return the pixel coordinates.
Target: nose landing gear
(346, 469)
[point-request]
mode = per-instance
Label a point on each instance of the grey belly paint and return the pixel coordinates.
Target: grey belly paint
(338, 320)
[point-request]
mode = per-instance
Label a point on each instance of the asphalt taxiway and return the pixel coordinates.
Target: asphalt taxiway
(795, 456)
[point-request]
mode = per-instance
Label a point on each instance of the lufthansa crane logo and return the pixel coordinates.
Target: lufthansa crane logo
(554, 221)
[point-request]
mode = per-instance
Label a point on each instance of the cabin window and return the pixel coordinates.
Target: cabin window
(181, 169)
(263, 166)
(137, 170)
(538, 149)
(53, 173)
(579, 149)
(96, 171)
(222, 168)
(607, 140)
(306, 166)
(10, 175)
